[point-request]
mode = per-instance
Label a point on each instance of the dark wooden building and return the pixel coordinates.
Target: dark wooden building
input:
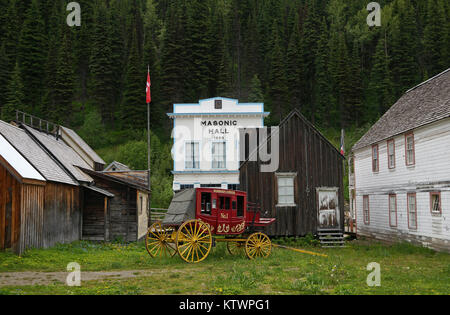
(115, 206)
(305, 194)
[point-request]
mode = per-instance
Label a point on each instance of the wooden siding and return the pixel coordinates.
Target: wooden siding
(10, 204)
(317, 164)
(122, 210)
(429, 174)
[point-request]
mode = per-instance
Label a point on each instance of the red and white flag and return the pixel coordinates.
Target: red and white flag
(147, 90)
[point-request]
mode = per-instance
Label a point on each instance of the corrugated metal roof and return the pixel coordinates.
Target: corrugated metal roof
(17, 161)
(63, 153)
(34, 154)
(83, 145)
(424, 104)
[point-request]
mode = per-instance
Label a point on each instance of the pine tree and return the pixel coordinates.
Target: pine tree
(133, 110)
(325, 111)
(256, 93)
(14, 96)
(380, 85)
(32, 53)
(64, 81)
(101, 85)
(277, 84)
(4, 74)
(435, 38)
(295, 67)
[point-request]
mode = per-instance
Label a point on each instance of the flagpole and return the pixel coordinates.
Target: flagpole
(148, 160)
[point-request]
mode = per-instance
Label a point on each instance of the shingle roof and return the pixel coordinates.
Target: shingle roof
(83, 145)
(34, 154)
(422, 105)
(63, 153)
(119, 167)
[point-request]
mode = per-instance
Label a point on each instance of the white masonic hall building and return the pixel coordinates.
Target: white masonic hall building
(206, 141)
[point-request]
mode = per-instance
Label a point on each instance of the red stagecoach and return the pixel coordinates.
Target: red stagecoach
(198, 218)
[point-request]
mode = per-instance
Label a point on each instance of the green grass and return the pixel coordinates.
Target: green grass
(405, 269)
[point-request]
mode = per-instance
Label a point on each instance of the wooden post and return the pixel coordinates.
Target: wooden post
(106, 218)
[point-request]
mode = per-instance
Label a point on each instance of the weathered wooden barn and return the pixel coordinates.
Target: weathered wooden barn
(48, 196)
(39, 201)
(305, 194)
(400, 170)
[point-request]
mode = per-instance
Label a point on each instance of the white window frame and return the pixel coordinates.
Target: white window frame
(391, 154)
(366, 211)
(412, 161)
(192, 158)
(291, 201)
(393, 210)
(215, 155)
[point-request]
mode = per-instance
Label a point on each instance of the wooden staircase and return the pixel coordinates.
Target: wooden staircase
(332, 239)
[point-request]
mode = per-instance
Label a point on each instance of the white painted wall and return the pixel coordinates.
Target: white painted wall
(188, 127)
(431, 172)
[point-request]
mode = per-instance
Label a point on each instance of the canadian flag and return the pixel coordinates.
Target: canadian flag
(147, 90)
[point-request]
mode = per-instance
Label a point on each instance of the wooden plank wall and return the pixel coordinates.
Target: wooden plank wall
(122, 213)
(62, 214)
(32, 216)
(93, 216)
(10, 202)
(317, 164)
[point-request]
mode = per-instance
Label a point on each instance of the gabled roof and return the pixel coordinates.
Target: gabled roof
(120, 180)
(83, 145)
(16, 163)
(34, 154)
(291, 115)
(118, 167)
(424, 104)
(63, 153)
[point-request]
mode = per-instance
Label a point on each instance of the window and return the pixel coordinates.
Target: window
(391, 154)
(436, 207)
(286, 189)
(366, 210)
(412, 211)
(206, 203)
(183, 187)
(375, 161)
(219, 155)
(192, 155)
(218, 104)
(211, 186)
(393, 210)
(409, 150)
(233, 186)
(240, 206)
(225, 203)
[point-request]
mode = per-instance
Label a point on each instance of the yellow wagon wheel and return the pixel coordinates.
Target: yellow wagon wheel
(159, 241)
(235, 248)
(258, 245)
(194, 241)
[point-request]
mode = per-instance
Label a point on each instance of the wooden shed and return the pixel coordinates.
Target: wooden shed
(306, 193)
(115, 206)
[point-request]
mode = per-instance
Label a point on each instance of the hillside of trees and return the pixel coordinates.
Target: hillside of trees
(319, 56)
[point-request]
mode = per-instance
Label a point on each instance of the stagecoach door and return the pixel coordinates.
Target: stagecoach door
(328, 209)
(223, 214)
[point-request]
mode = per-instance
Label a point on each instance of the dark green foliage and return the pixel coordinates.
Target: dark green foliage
(14, 96)
(315, 55)
(32, 55)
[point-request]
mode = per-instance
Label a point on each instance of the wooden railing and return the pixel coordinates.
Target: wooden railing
(38, 123)
(157, 214)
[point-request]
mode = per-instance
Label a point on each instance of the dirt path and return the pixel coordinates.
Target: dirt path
(46, 278)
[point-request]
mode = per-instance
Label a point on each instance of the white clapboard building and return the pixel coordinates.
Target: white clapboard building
(206, 141)
(400, 170)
